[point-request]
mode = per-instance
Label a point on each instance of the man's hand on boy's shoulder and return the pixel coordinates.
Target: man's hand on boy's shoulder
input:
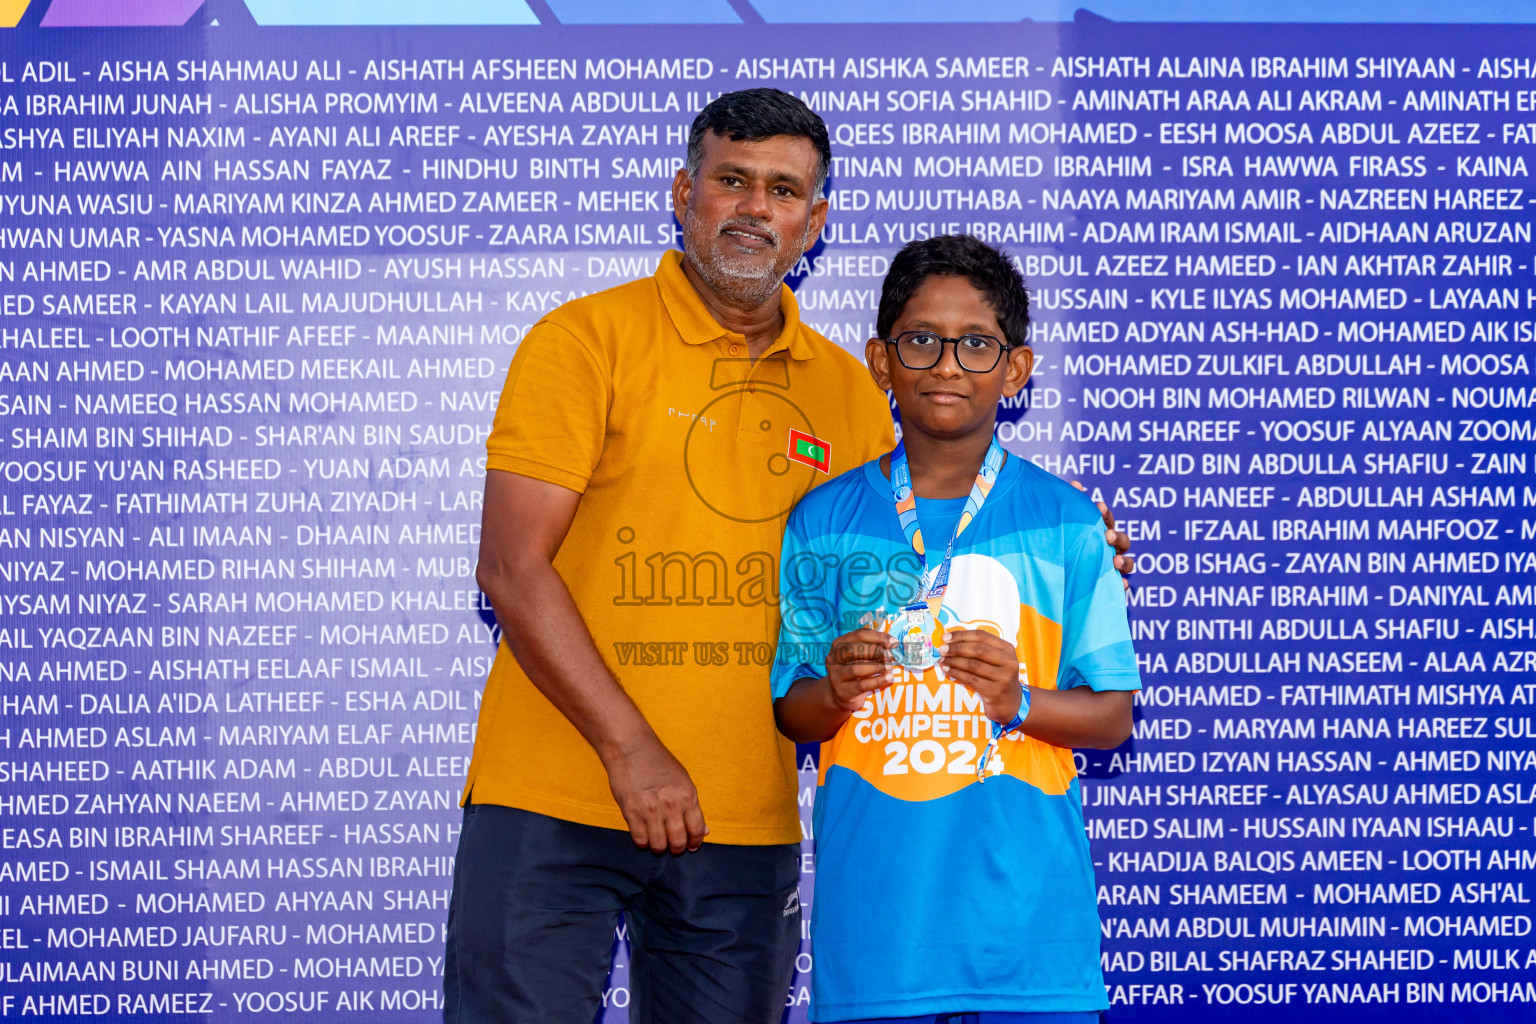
(987, 664)
(858, 664)
(1125, 562)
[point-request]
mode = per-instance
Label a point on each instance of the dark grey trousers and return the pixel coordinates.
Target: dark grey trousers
(536, 900)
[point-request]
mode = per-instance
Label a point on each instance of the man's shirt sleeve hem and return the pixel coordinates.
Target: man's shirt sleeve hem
(538, 471)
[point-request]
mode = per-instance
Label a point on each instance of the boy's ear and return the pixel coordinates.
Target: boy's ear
(877, 356)
(1021, 363)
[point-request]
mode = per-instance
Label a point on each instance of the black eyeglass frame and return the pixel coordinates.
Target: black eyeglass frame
(1003, 349)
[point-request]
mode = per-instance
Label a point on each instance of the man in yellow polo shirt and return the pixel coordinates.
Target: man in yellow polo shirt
(649, 444)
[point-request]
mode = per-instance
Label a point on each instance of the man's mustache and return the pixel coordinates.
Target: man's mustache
(752, 227)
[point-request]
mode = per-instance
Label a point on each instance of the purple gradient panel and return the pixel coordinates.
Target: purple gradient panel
(103, 13)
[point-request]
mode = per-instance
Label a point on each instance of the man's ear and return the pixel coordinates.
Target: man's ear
(877, 356)
(1021, 363)
(682, 191)
(818, 221)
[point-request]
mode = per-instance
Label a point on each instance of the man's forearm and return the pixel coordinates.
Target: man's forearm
(525, 524)
(546, 633)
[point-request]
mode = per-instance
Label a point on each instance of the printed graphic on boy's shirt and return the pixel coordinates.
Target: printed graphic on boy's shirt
(919, 738)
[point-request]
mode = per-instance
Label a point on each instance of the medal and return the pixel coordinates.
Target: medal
(913, 629)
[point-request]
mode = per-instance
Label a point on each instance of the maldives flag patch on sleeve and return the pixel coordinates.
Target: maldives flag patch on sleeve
(809, 450)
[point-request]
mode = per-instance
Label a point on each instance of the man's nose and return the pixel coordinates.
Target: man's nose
(753, 202)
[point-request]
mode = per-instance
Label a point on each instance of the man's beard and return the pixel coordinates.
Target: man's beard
(746, 280)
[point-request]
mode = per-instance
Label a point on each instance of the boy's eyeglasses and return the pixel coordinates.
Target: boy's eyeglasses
(922, 350)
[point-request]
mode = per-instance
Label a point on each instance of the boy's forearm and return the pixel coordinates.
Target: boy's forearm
(1080, 717)
(807, 714)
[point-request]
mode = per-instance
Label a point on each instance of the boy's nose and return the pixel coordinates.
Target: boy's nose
(948, 365)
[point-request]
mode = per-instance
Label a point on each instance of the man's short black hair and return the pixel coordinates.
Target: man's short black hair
(752, 115)
(990, 272)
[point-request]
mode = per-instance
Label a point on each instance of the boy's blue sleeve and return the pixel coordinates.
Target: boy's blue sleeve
(807, 609)
(1095, 633)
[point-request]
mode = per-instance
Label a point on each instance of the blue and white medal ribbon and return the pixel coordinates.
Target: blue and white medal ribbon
(935, 579)
(914, 626)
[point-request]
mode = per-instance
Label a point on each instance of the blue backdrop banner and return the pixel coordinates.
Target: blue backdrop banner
(262, 271)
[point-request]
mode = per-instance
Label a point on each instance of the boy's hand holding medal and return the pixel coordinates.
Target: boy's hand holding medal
(866, 660)
(858, 664)
(987, 664)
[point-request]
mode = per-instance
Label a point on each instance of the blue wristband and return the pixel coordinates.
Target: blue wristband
(998, 732)
(1018, 719)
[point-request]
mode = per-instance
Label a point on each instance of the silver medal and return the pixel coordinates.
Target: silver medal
(913, 629)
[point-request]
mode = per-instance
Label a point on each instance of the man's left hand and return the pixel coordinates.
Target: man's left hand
(1125, 562)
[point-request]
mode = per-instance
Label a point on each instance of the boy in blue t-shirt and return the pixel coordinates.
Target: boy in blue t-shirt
(952, 626)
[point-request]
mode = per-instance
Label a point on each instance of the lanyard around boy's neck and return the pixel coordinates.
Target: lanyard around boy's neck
(936, 579)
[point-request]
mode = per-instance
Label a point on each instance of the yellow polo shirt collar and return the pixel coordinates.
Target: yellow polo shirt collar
(697, 327)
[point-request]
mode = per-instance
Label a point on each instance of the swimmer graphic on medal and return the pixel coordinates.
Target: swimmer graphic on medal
(914, 639)
(914, 627)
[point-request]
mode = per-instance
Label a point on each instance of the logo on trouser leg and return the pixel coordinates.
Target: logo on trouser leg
(792, 904)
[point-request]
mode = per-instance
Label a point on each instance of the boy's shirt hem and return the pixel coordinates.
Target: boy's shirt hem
(952, 1002)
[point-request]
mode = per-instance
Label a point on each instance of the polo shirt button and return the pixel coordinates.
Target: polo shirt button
(735, 349)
